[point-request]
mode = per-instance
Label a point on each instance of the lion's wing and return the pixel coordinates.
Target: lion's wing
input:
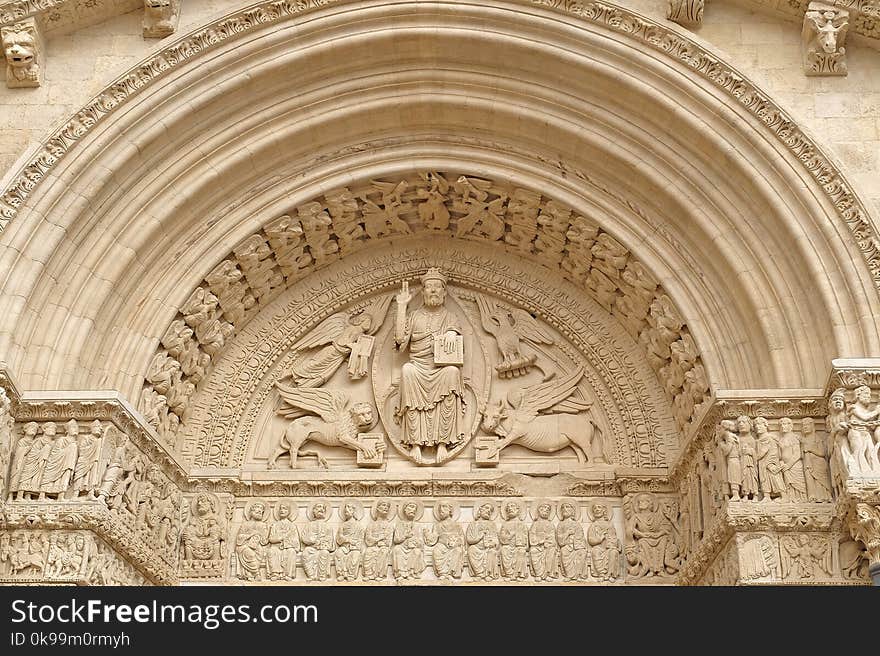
(327, 404)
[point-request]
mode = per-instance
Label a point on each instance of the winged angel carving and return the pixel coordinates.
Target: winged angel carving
(511, 327)
(332, 421)
(523, 423)
(344, 335)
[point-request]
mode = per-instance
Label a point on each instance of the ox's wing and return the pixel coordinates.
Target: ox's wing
(554, 394)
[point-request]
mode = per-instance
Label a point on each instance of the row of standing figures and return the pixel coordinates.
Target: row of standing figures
(514, 550)
(757, 464)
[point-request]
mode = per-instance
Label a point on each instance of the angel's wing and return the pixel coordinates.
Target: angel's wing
(526, 327)
(628, 513)
(554, 394)
(326, 332)
(487, 309)
(329, 405)
(108, 446)
(377, 310)
(384, 187)
(370, 207)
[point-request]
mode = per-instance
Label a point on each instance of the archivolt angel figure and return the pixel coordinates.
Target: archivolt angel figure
(347, 334)
(510, 327)
(332, 420)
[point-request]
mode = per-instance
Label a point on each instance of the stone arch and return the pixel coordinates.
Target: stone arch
(752, 232)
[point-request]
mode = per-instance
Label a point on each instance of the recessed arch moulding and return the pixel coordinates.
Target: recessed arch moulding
(584, 175)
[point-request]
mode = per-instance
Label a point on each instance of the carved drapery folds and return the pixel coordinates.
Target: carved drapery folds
(685, 12)
(501, 540)
(23, 49)
(824, 36)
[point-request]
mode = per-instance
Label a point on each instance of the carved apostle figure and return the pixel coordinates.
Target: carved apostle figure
(283, 544)
(482, 539)
(205, 533)
(792, 462)
(20, 456)
(748, 457)
(604, 545)
(31, 471)
(447, 538)
(250, 543)
(61, 461)
(378, 539)
(5, 554)
(408, 554)
(652, 550)
(431, 409)
(816, 473)
(317, 536)
(111, 488)
(349, 542)
(837, 431)
(514, 539)
(572, 542)
(728, 444)
(6, 426)
(543, 550)
(769, 466)
(86, 474)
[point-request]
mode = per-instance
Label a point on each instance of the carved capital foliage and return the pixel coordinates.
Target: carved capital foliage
(23, 49)
(824, 36)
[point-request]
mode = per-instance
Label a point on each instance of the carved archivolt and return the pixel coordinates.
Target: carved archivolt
(607, 16)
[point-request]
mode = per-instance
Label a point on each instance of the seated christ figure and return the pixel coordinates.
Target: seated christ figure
(431, 395)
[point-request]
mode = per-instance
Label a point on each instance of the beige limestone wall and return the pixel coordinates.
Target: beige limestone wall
(843, 113)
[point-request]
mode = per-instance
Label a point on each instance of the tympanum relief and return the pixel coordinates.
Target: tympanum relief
(428, 205)
(420, 371)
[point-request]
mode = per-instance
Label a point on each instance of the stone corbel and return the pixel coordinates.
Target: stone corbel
(824, 36)
(685, 12)
(23, 50)
(160, 18)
